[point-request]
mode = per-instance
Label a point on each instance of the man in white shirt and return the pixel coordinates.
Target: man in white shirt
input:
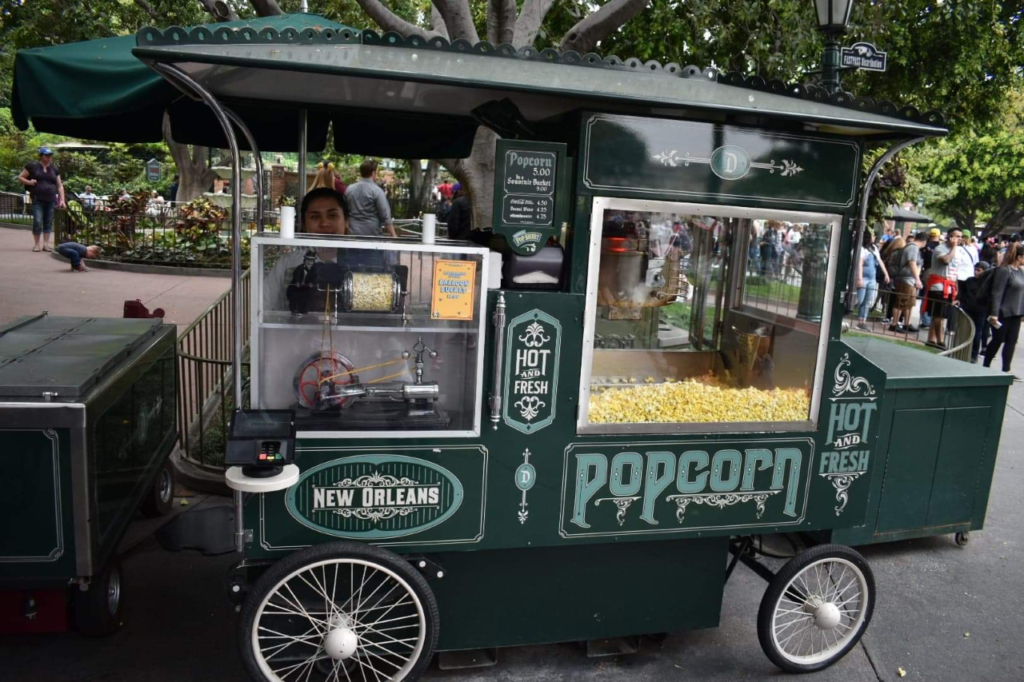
(88, 199)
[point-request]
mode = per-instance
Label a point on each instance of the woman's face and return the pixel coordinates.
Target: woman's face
(324, 216)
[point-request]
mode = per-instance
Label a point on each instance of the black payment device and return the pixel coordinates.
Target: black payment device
(261, 441)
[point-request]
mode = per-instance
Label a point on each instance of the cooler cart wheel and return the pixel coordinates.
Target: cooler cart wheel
(97, 611)
(816, 608)
(160, 498)
(339, 611)
(962, 538)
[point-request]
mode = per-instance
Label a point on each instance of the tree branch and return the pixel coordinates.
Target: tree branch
(501, 21)
(389, 21)
(148, 9)
(437, 22)
(590, 30)
(458, 19)
(529, 21)
(219, 10)
(266, 8)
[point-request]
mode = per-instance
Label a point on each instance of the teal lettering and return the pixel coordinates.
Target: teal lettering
(835, 420)
(868, 409)
(618, 485)
(755, 457)
(852, 417)
(699, 459)
(792, 457)
(719, 483)
(656, 483)
(591, 475)
(863, 465)
(844, 462)
(825, 456)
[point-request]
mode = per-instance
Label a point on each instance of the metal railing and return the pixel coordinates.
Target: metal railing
(204, 379)
(14, 209)
(955, 329)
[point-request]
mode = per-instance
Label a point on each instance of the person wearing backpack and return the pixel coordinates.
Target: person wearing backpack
(1006, 306)
(972, 296)
(908, 283)
(891, 254)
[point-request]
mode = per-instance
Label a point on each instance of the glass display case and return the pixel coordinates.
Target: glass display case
(705, 318)
(366, 336)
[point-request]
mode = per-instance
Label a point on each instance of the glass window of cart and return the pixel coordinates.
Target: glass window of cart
(361, 336)
(703, 318)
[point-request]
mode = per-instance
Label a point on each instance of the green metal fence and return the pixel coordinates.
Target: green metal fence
(205, 396)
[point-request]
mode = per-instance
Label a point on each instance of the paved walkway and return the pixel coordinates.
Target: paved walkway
(33, 282)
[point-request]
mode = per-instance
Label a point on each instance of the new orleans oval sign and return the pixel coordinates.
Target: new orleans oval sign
(373, 497)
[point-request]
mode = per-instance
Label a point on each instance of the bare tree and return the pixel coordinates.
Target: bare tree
(454, 20)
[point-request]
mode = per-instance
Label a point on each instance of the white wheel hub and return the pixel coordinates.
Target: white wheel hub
(341, 643)
(827, 616)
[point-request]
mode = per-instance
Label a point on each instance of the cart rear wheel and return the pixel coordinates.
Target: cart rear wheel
(97, 611)
(160, 497)
(816, 608)
(339, 611)
(962, 539)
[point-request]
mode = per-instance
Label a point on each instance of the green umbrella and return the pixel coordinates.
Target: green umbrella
(98, 90)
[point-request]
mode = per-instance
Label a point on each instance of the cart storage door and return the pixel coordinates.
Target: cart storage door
(935, 456)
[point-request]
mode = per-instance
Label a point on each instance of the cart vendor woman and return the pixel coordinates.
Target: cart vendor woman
(323, 212)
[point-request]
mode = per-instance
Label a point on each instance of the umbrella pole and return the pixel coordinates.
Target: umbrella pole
(303, 139)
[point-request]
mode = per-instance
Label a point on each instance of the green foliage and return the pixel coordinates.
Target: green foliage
(977, 177)
(199, 222)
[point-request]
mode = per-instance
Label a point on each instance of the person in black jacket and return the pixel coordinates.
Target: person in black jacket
(968, 295)
(1006, 306)
(460, 218)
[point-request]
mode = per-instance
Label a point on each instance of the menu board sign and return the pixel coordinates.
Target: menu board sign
(526, 209)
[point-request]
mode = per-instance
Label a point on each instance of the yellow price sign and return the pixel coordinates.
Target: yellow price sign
(454, 285)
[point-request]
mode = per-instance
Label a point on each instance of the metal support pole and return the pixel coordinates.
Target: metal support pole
(303, 140)
(830, 63)
(259, 165)
(860, 224)
(186, 83)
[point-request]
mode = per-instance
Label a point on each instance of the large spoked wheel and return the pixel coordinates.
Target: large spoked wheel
(340, 612)
(816, 608)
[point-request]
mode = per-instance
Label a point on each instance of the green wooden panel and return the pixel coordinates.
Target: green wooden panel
(509, 598)
(689, 160)
(37, 537)
(961, 452)
(913, 452)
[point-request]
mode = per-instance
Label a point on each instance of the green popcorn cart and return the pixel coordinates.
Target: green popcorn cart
(88, 418)
(563, 428)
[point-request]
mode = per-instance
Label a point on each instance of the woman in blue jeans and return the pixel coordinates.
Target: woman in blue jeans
(42, 180)
(867, 278)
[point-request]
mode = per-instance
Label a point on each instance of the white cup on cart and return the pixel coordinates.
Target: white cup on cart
(429, 228)
(287, 222)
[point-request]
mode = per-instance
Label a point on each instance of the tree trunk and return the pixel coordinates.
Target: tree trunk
(421, 182)
(476, 173)
(193, 176)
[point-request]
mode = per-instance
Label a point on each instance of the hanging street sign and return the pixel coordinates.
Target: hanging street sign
(864, 56)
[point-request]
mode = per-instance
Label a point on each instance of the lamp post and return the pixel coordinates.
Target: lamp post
(833, 20)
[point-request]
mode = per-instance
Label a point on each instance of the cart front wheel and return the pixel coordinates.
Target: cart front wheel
(816, 608)
(161, 496)
(97, 611)
(339, 611)
(962, 539)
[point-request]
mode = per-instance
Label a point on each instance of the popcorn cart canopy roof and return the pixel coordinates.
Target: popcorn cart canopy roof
(367, 82)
